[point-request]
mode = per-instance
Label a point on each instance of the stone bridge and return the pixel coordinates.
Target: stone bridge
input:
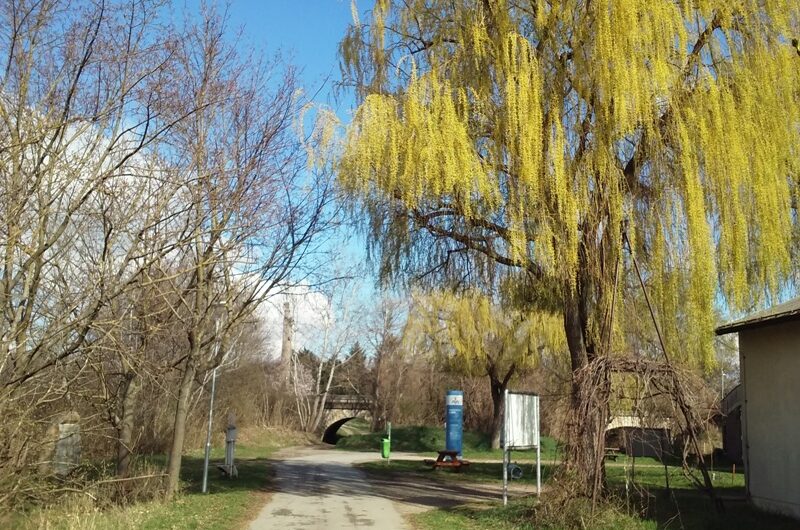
(339, 409)
(639, 436)
(633, 421)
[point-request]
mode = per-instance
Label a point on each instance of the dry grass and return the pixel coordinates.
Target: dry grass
(230, 504)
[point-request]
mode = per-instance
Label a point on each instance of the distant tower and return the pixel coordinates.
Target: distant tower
(286, 342)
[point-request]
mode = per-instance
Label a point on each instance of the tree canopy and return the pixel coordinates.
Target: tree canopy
(471, 334)
(527, 133)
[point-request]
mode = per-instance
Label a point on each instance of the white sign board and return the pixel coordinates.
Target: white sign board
(521, 421)
(521, 431)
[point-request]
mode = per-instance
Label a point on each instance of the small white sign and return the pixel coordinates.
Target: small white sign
(456, 400)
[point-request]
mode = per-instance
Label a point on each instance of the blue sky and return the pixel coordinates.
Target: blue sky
(306, 32)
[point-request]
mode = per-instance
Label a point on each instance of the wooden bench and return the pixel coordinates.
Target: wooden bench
(612, 453)
(448, 459)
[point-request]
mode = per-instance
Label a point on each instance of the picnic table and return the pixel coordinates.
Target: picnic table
(448, 459)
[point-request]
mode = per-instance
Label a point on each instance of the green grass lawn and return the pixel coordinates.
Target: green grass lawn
(648, 506)
(354, 427)
(645, 475)
(526, 514)
(648, 472)
(645, 504)
(428, 440)
(476, 472)
(229, 504)
(519, 515)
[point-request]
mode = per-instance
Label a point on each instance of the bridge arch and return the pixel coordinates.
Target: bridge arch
(339, 409)
(331, 434)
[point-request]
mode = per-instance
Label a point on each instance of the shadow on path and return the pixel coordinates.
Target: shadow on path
(316, 475)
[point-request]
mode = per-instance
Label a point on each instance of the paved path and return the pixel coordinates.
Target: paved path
(318, 488)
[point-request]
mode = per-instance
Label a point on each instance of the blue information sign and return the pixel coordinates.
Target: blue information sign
(454, 402)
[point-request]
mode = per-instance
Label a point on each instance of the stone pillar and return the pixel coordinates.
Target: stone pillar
(63, 445)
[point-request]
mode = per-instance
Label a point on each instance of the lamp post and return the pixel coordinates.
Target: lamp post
(211, 409)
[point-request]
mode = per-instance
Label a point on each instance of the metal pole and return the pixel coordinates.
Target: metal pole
(505, 448)
(538, 453)
(208, 434)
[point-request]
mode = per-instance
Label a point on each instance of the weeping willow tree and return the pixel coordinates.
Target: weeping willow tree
(534, 137)
(471, 334)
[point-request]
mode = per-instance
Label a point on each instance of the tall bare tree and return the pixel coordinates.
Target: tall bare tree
(84, 203)
(254, 205)
(331, 335)
(153, 191)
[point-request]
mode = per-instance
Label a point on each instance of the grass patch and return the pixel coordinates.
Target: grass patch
(486, 472)
(687, 510)
(648, 504)
(642, 475)
(691, 509)
(522, 515)
(428, 440)
(354, 427)
(229, 504)
(653, 475)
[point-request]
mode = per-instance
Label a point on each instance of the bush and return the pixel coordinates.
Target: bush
(414, 439)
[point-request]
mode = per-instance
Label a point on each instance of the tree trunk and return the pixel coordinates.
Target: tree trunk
(320, 402)
(130, 400)
(498, 392)
(377, 417)
(498, 388)
(179, 428)
(588, 414)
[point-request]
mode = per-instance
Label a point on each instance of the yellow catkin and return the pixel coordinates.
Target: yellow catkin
(529, 117)
(471, 331)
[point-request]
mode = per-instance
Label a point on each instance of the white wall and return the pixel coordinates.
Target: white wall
(770, 362)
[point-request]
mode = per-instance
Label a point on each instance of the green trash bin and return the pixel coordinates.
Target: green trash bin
(385, 447)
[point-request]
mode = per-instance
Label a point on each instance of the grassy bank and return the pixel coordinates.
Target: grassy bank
(655, 510)
(229, 504)
(428, 440)
(647, 473)
(476, 472)
(639, 488)
(519, 515)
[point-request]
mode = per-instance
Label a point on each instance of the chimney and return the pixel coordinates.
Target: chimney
(286, 343)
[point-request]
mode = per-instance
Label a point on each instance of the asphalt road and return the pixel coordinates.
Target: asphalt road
(318, 488)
